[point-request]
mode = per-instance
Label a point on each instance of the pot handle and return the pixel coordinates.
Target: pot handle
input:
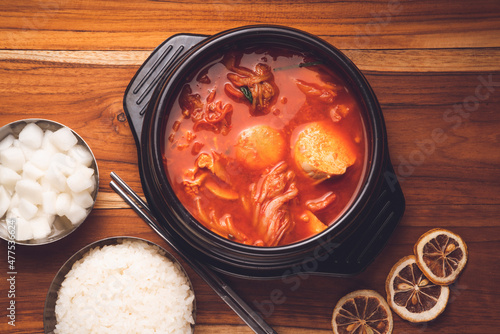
(143, 84)
(363, 245)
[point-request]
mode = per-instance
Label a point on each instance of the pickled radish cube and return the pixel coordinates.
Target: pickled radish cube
(50, 218)
(83, 199)
(63, 139)
(47, 145)
(30, 171)
(49, 199)
(40, 226)
(23, 229)
(13, 158)
(92, 187)
(46, 185)
(81, 155)
(41, 159)
(14, 202)
(76, 214)
(27, 151)
(8, 178)
(4, 201)
(13, 212)
(27, 209)
(80, 180)
(64, 163)
(6, 142)
(63, 203)
(31, 136)
(86, 171)
(30, 190)
(55, 178)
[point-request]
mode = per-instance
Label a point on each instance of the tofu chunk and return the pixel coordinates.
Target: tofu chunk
(322, 152)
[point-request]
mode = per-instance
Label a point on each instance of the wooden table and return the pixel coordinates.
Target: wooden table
(434, 65)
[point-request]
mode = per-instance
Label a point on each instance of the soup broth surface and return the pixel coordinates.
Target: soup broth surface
(265, 147)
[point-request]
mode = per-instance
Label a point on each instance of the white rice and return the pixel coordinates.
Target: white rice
(125, 288)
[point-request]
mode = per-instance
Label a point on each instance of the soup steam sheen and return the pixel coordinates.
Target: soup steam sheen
(265, 147)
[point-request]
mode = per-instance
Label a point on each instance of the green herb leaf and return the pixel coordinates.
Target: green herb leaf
(247, 93)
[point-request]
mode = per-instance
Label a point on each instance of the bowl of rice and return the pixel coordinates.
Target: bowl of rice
(120, 285)
(48, 181)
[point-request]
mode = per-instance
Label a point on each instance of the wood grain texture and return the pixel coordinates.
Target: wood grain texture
(415, 60)
(71, 61)
(112, 25)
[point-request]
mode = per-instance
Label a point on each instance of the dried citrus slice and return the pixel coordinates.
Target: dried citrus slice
(411, 295)
(441, 255)
(360, 312)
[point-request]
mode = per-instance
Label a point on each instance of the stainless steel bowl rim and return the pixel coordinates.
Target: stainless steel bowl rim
(49, 320)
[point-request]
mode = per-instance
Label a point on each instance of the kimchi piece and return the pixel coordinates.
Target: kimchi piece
(270, 197)
(213, 115)
(323, 95)
(209, 173)
(255, 86)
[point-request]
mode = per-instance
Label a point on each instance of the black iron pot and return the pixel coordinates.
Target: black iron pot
(345, 248)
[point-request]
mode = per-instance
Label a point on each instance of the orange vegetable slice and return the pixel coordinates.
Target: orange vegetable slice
(315, 225)
(411, 295)
(223, 192)
(362, 311)
(441, 255)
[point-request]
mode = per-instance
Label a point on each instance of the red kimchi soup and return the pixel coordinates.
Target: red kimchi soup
(265, 147)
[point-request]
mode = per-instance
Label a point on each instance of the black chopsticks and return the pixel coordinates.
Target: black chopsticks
(238, 305)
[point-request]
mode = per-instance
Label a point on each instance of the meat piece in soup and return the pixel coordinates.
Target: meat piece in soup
(265, 148)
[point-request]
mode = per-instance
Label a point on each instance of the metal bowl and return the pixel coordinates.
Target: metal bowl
(62, 226)
(49, 316)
